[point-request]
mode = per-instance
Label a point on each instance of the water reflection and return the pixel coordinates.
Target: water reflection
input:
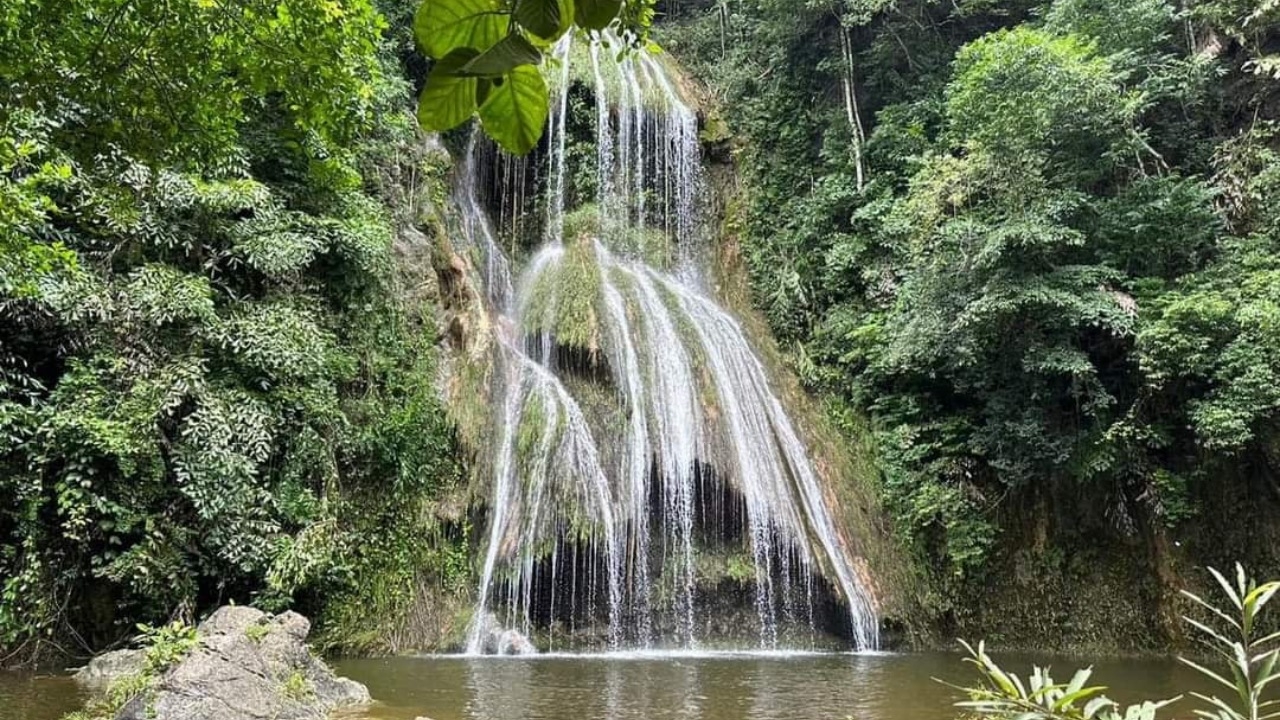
(689, 686)
(682, 686)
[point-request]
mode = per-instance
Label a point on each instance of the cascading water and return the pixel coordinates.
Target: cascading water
(608, 506)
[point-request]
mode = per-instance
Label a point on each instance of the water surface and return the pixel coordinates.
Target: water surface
(37, 696)
(688, 686)
(681, 686)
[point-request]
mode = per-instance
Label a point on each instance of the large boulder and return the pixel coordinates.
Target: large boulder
(247, 665)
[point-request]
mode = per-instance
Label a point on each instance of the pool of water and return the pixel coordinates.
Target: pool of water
(680, 686)
(37, 696)
(710, 687)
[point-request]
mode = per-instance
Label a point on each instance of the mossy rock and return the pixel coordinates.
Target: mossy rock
(563, 300)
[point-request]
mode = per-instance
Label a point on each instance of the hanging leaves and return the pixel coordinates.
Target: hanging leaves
(596, 14)
(488, 54)
(446, 102)
(510, 53)
(442, 26)
(516, 110)
(547, 19)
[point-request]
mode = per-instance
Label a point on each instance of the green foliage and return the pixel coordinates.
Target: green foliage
(1020, 93)
(212, 385)
(297, 687)
(164, 646)
(1142, 27)
(1212, 340)
(1005, 695)
(172, 81)
(109, 703)
(487, 54)
(1250, 659)
(564, 299)
(1252, 23)
(516, 111)
(1232, 633)
(256, 633)
(1034, 244)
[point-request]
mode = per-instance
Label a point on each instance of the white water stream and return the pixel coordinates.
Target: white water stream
(603, 522)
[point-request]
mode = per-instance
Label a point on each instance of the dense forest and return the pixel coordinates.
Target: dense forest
(216, 362)
(1036, 245)
(1028, 251)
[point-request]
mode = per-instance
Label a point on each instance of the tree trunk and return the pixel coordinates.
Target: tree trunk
(852, 112)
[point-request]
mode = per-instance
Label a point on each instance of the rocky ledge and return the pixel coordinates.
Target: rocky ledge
(244, 665)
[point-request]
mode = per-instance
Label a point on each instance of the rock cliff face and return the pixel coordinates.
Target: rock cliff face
(247, 665)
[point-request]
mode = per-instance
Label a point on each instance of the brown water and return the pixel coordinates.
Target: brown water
(27, 696)
(669, 687)
(716, 687)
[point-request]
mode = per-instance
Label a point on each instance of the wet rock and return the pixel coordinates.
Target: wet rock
(497, 640)
(247, 666)
(512, 642)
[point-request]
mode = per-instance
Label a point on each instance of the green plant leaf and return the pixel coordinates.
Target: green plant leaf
(1210, 607)
(446, 101)
(442, 26)
(510, 52)
(596, 14)
(548, 19)
(516, 110)
(1226, 588)
(1206, 630)
(1094, 706)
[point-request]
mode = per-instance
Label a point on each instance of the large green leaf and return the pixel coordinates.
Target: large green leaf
(511, 52)
(447, 100)
(596, 14)
(516, 111)
(442, 26)
(548, 19)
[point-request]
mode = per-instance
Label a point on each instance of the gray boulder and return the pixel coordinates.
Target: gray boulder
(514, 642)
(247, 666)
(109, 667)
(497, 640)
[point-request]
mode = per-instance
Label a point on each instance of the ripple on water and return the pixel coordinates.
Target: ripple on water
(33, 696)
(690, 685)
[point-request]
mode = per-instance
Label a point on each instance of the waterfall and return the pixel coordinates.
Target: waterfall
(640, 459)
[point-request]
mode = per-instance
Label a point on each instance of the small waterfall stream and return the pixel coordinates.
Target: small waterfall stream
(638, 442)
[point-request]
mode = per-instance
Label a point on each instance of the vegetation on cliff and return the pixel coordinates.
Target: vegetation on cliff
(215, 383)
(1035, 242)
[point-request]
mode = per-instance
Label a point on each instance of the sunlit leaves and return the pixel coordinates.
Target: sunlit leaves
(446, 102)
(442, 26)
(516, 110)
(173, 81)
(487, 53)
(1023, 91)
(1214, 342)
(192, 277)
(279, 254)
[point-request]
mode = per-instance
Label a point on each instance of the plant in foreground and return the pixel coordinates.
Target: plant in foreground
(1250, 663)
